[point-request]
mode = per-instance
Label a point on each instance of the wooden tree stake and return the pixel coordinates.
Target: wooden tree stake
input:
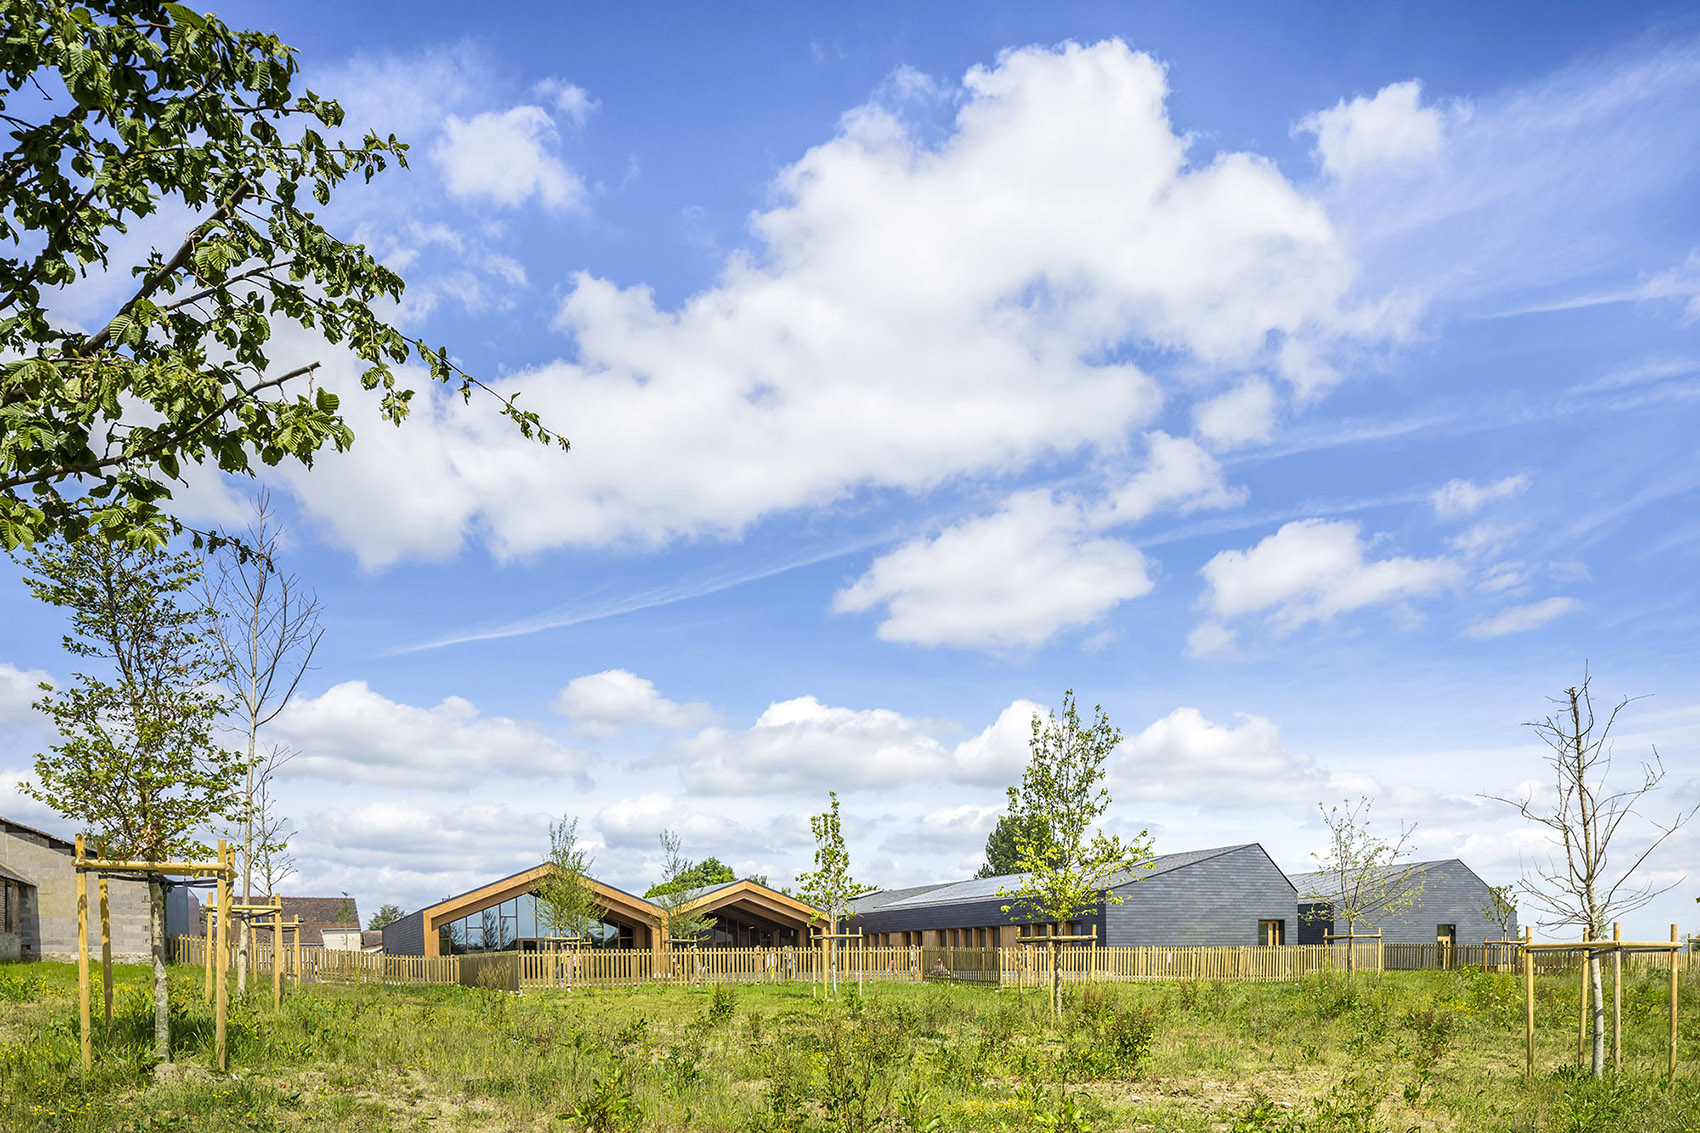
(1616, 999)
(106, 957)
(83, 962)
(1671, 1067)
(221, 994)
(1528, 1003)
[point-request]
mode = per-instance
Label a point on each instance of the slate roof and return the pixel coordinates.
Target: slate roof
(1320, 884)
(984, 888)
(320, 913)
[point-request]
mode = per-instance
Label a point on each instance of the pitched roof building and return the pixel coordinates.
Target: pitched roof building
(1226, 895)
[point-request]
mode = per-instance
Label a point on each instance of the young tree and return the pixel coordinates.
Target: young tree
(1500, 908)
(1366, 877)
(137, 763)
(567, 904)
(387, 915)
(1582, 886)
(829, 886)
(675, 897)
(120, 110)
(269, 829)
(267, 629)
(1067, 863)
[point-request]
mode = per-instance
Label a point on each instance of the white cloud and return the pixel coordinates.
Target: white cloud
(1038, 565)
(480, 837)
(1312, 570)
(568, 99)
(636, 823)
(504, 157)
(914, 312)
(1243, 415)
(353, 734)
(802, 744)
(1186, 758)
(1210, 639)
(1390, 131)
(19, 688)
(1518, 619)
(602, 703)
(16, 805)
(948, 829)
(1458, 498)
(1011, 579)
(1177, 474)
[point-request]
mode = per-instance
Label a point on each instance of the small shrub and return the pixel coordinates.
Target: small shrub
(610, 1106)
(722, 1004)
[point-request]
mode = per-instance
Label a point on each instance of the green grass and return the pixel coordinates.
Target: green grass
(1407, 1051)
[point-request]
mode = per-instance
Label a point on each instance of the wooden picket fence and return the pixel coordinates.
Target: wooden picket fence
(1026, 965)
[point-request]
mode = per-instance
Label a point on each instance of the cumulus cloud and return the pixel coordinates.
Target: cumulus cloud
(1459, 498)
(1058, 222)
(354, 734)
(1037, 566)
(1390, 131)
(1313, 570)
(504, 157)
(1518, 619)
(19, 688)
(602, 703)
(636, 823)
(1243, 415)
(1011, 579)
(1186, 758)
(802, 744)
(484, 837)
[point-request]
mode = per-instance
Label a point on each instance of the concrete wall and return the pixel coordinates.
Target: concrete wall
(1216, 901)
(49, 920)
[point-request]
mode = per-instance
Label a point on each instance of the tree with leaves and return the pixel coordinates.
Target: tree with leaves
(118, 111)
(567, 905)
(1583, 886)
(675, 897)
(1002, 858)
(1500, 909)
(710, 871)
(1067, 863)
(1364, 878)
(829, 886)
(267, 629)
(387, 914)
(137, 764)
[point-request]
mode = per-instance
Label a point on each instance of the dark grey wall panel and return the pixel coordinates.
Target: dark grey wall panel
(1452, 894)
(406, 937)
(1217, 901)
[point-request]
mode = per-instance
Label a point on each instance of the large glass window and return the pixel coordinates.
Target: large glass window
(514, 924)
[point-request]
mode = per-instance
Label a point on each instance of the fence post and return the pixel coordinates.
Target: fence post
(1673, 990)
(1528, 1003)
(83, 961)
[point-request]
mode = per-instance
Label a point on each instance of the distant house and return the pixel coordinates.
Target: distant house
(38, 902)
(326, 922)
(503, 916)
(1452, 909)
(1230, 895)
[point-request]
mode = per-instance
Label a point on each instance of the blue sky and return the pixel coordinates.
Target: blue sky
(1316, 392)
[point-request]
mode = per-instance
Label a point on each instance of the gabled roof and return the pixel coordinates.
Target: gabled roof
(711, 897)
(13, 827)
(986, 888)
(1322, 884)
(17, 877)
(462, 904)
(320, 913)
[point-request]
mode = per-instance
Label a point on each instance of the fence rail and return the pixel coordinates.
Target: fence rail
(1026, 965)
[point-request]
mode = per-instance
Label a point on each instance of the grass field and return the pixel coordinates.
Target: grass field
(1409, 1050)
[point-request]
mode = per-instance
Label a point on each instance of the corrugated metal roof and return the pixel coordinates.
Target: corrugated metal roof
(983, 888)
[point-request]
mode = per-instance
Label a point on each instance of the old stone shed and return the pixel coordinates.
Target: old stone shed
(38, 902)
